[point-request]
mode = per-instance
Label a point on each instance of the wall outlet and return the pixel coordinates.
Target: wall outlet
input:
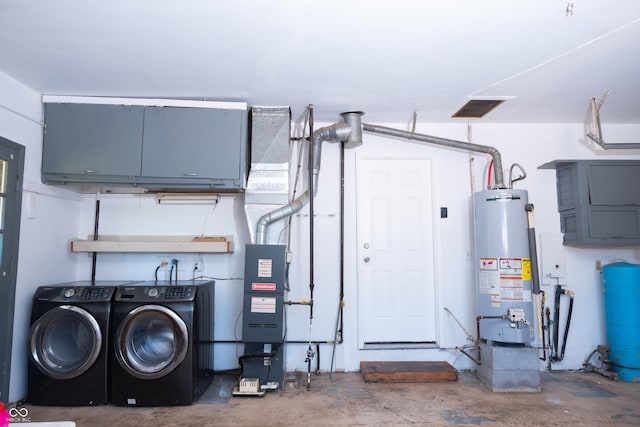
(598, 265)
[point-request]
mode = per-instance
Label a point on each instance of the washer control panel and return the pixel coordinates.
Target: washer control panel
(62, 293)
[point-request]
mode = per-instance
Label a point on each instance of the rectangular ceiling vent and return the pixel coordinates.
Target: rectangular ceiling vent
(477, 108)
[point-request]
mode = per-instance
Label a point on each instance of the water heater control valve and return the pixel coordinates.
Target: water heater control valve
(516, 315)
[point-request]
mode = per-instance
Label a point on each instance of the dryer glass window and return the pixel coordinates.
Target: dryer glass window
(151, 342)
(65, 342)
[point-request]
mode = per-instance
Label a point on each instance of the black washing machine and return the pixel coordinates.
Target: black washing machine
(68, 344)
(162, 342)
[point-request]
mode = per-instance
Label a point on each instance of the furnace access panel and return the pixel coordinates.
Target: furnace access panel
(264, 293)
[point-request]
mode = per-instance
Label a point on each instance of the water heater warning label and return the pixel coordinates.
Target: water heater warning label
(526, 268)
(503, 279)
(489, 276)
(511, 267)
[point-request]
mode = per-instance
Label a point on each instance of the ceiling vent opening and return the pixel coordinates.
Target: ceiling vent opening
(477, 108)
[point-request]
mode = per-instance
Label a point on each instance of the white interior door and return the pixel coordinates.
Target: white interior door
(396, 278)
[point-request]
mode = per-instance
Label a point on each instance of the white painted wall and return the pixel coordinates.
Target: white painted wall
(527, 144)
(54, 216)
(126, 214)
(530, 145)
(60, 216)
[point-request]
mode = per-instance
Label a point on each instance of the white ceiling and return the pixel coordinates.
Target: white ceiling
(387, 58)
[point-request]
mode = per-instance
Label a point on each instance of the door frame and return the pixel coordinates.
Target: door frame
(9, 261)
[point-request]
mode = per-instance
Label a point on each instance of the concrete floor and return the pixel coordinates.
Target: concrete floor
(567, 399)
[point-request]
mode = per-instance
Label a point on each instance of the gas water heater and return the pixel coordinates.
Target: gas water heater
(503, 263)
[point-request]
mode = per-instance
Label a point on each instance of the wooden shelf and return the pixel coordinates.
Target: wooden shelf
(210, 244)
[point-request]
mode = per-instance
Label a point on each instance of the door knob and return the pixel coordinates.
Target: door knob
(367, 259)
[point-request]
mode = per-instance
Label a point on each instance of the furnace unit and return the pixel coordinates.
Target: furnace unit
(263, 315)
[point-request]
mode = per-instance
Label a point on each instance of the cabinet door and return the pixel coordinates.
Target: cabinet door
(194, 143)
(91, 139)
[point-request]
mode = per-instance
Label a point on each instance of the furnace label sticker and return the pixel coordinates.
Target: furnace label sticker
(263, 286)
(265, 267)
(263, 305)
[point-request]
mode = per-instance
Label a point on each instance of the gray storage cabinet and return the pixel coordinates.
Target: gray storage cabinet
(598, 201)
(199, 144)
(145, 146)
(91, 142)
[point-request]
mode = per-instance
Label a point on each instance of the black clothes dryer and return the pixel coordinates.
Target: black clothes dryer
(162, 343)
(68, 344)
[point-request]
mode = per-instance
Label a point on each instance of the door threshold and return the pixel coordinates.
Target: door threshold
(399, 345)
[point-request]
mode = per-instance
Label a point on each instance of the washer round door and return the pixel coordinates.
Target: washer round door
(65, 342)
(151, 342)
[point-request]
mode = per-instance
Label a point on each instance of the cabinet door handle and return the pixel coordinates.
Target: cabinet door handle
(190, 174)
(91, 171)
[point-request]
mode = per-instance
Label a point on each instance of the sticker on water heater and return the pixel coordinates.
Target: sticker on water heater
(263, 305)
(489, 282)
(526, 268)
(489, 277)
(495, 300)
(488, 263)
(511, 293)
(511, 267)
(265, 267)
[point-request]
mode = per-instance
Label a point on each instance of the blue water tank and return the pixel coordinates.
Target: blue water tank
(621, 301)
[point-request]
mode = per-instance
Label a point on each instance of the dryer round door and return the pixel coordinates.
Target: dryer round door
(151, 342)
(65, 342)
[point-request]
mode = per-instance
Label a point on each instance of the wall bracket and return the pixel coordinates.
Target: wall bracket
(595, 133)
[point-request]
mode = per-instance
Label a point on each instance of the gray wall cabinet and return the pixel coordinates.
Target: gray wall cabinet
(598, 201)
(92, 140)
(145, 146)
(193, 143)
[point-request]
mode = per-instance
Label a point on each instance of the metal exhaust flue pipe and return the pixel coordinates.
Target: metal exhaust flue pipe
(349, 131)
(412, 136)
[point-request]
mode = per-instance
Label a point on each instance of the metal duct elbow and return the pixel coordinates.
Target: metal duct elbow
(452, 143)
(283, 212)
(337, 132)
